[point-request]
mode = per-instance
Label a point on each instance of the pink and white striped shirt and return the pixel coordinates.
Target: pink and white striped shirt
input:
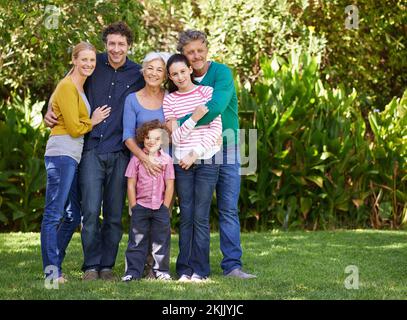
(202, 139)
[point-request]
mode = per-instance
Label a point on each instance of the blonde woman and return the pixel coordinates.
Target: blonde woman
(62, 156)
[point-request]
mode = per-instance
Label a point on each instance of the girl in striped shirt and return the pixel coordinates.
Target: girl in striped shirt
(196, 173)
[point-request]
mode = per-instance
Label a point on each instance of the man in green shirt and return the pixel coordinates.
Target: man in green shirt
(194, 45)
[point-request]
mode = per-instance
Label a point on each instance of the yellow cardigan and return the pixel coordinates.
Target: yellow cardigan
(70, 109)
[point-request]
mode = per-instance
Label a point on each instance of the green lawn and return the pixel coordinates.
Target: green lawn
(289, 265)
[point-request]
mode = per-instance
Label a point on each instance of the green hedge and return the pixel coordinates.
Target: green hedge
(318, 164)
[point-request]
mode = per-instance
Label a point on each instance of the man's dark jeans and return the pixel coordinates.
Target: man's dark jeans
(101, 179)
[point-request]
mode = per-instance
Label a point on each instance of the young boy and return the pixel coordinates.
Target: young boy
(149, 199)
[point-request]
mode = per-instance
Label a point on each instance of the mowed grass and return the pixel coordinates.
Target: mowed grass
(289, 265)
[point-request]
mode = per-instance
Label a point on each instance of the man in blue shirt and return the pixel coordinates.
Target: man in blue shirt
(105, 158)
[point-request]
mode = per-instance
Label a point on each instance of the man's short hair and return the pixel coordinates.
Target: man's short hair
(190, 35)
(118, 28)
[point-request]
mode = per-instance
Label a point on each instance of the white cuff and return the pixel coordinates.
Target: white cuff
(190, 123)
(200, 150)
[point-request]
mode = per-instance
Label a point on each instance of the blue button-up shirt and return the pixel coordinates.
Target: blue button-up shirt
(109, 86)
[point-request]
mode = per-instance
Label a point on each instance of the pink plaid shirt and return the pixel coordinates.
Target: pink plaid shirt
(150, 190)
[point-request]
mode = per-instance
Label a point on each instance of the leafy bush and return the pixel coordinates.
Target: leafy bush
(316, 164)
(22, 172)
(389, 148)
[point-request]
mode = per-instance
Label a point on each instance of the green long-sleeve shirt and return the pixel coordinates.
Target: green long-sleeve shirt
(223, 102)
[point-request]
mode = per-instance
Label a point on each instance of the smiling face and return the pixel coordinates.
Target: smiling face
(116, 47)
(85, 62)
(154, 73)
(153, 140)
(180, 74)
(197, 52)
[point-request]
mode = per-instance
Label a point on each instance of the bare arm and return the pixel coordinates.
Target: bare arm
(50, 118)
(131, 192)
(169, 192)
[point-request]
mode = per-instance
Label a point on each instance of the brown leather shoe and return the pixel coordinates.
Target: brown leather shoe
(107, 275)
(90, 275)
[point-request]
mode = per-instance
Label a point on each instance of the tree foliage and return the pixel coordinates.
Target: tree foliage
(37, 37)
(331, 121)
(370, 57)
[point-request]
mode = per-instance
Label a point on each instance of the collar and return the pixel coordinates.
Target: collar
(159, 152)
(209, 65)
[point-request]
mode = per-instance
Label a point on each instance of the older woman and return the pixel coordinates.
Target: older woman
(143, 106)
(62, 155)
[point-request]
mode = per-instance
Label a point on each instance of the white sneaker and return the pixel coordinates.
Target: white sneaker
(184, 278)
(127, 278)
(197, 278)
(162, 276)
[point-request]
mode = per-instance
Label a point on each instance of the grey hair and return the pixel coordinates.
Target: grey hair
(153, 55)
(190, 35)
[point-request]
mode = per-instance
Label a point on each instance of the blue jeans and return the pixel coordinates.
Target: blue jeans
(101, 179)
(227, 197)
(62, 210)
(195, 188)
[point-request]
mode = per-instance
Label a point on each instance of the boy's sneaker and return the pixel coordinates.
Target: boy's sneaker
(197, 278)
(184, 278)
(127, 278)
(162, 276)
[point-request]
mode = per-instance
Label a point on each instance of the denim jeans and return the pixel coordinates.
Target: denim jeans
(101, 179)
(227, 197)
(195, 188)
(62, 210)
(148, 226)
